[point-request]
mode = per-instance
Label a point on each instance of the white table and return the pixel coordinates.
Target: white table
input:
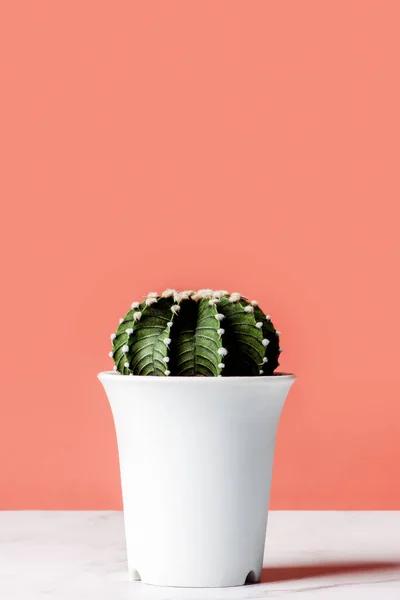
(309, 555)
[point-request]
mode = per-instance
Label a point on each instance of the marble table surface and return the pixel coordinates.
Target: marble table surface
(309, 555)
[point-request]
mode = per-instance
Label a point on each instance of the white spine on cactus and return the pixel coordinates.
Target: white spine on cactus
(219, 316)
(169, 324)
(254, 303)
(177, 296)
(280, 350)
(207, 294)
(120, 321)
(235, 297)
(114, 367)
(259, 325)
(278, 333)
(135, 305)
(221, 366)
(129, 331)
(113, 336)
(265, 342)
(167, 341)
(213, 301)
(126, 365)
(261, 371)
(152, 295)
(219, 293)
(222, 351)
(220, 331)
(137, 316)
(175, 308)
(268, 317)
(166, 359)
(167, 373)
(265, 359)
(151, 301)
(111, 354)
(168, 293)
(125, 348)
(249, 309)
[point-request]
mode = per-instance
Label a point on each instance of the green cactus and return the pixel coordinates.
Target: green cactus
(191, 333)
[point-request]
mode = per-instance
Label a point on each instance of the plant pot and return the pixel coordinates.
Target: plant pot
(196, 457)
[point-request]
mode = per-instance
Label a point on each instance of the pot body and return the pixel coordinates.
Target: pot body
(196, 459)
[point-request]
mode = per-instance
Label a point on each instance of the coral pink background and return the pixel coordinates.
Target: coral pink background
(252, 146)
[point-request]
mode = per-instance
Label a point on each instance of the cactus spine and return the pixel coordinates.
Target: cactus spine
(191, 333)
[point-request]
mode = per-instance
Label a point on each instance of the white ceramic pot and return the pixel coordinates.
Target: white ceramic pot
(196, 458)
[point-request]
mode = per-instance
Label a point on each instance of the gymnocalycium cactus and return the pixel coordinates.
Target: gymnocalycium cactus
(195, 333)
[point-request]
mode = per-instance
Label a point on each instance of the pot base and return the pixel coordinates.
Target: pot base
(252, 578)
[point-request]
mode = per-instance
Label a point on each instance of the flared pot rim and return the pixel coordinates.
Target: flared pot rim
(198, 380)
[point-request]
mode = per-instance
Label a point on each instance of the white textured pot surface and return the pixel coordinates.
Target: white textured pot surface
(196, 457)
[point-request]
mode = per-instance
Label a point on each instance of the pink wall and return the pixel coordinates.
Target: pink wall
(252, 146)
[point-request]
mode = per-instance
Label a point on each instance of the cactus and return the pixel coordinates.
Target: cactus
(191, 333)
